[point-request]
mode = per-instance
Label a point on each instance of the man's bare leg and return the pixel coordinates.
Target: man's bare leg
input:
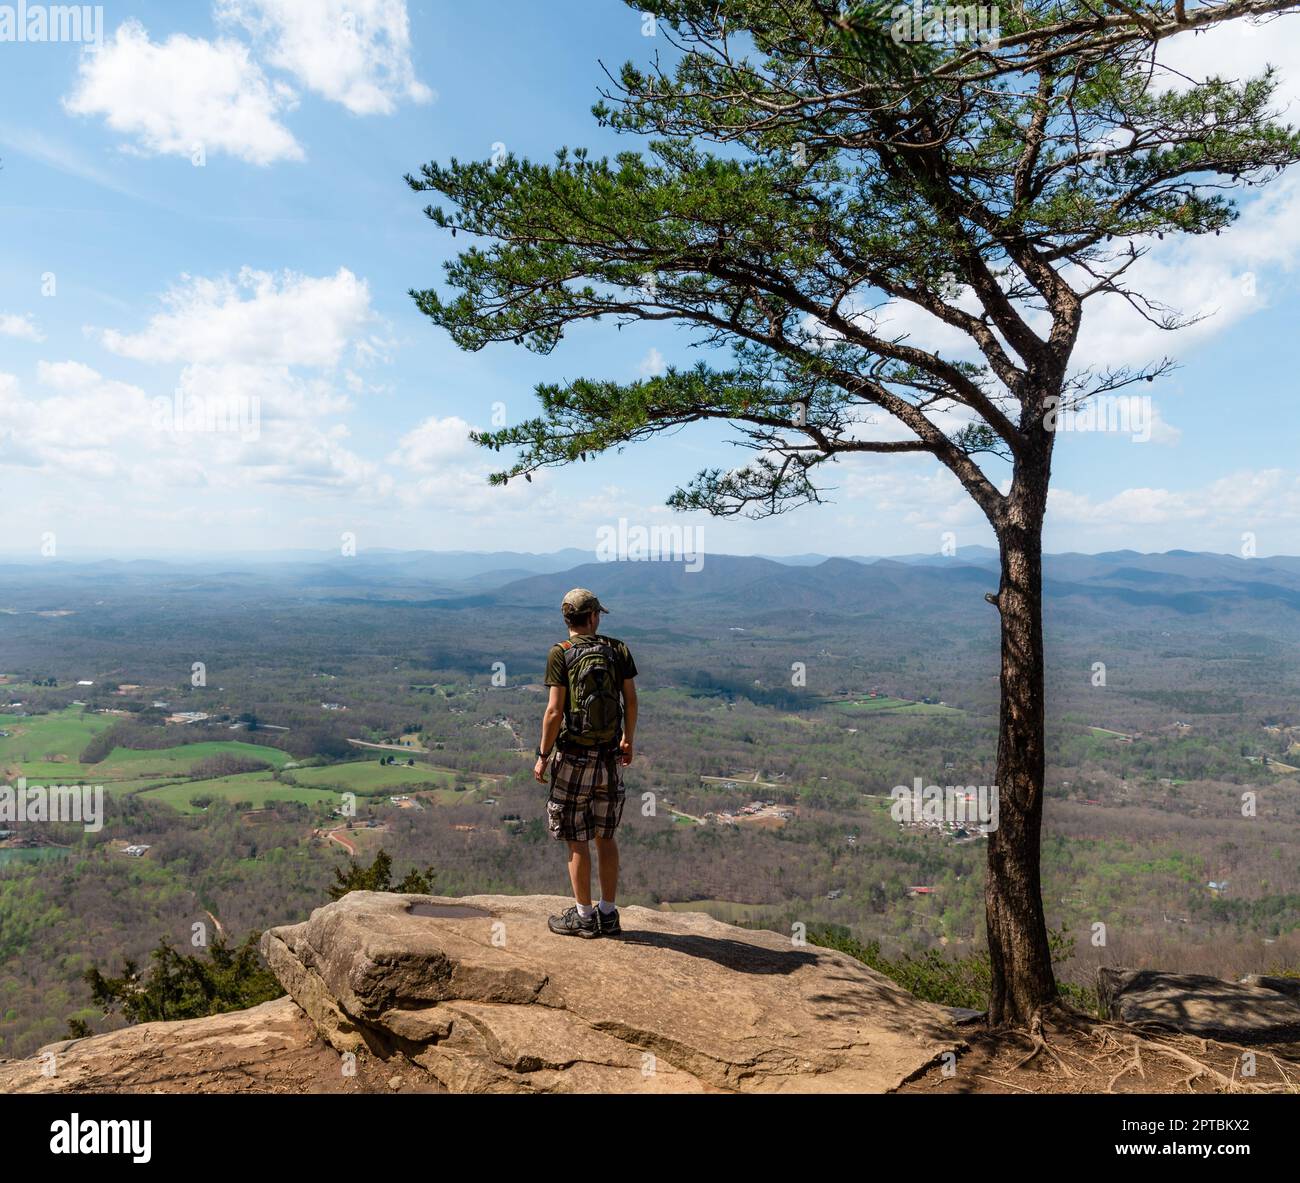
(580, 871)
(607, 867)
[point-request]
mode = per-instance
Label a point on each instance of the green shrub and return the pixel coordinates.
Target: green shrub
(949, 981)
(183, 986)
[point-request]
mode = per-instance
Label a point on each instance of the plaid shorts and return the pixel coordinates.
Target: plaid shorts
(586, 798)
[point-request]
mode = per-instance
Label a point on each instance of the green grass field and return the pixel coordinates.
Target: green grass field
(54, 772)
(45, 749)
(30, 854)
(125, 763)
(892, 706)
(369, 777)
(143, 782)
(48, 739)
(256, 788)
(927, 708)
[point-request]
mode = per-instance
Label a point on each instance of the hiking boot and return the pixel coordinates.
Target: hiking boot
(569, 924)
(608, 924)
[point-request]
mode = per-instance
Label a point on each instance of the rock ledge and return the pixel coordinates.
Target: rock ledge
(477, 993)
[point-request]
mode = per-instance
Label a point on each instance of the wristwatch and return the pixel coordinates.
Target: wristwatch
(541, 755)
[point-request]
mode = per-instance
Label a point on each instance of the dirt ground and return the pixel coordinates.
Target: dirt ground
(1106, 1057)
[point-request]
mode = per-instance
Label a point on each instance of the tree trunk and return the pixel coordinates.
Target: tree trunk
(1023, 982)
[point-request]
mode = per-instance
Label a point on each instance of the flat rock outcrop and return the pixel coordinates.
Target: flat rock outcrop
(268, 1048)
(480, 996)
(1259, 1010)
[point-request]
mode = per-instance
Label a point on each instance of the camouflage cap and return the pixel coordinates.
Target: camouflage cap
(580, 601)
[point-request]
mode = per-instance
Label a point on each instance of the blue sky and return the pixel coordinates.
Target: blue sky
(214, 203)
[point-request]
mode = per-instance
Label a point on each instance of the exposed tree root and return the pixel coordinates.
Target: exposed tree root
(1124, 1050)
(1130, 1045)
(1040, 1044)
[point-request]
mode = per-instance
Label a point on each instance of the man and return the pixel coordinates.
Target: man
(587, 735)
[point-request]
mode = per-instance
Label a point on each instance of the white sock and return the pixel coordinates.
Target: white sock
(586, 911)
(606, 907)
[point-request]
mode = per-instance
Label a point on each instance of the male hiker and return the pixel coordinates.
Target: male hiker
(587, 736)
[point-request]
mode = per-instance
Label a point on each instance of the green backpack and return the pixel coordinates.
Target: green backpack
(595, 715)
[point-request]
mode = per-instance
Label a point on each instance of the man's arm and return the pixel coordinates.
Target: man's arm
(551, 720)
(629, 719)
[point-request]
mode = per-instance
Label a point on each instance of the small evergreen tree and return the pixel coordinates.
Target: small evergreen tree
(184, 986)
(379, 877)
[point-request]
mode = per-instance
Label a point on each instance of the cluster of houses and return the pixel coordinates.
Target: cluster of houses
(752, 811)
(958, 831)
(836, 893)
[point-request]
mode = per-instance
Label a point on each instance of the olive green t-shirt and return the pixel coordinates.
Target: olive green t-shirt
(556, 675)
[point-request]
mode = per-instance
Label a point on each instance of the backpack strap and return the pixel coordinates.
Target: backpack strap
(570, 645)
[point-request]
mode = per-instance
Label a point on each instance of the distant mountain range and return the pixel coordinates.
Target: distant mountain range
(1097, 587)
(1102, 588)
(453, 565)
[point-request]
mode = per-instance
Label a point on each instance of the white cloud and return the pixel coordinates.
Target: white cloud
(1221, 280)
(920, 494)
(923, 329)
(446, 470)
(1266, 501)
(289, 320)
(1236, 50)
(259, 398)
(280, 395)
(1131, 418)
(296, 438)
(315, 458)
(890, 505)
(77, 428)
(82, 425)
(21, 326)
(653, 364)
(354, 52)
(1162, 431)
(436, 443)
(184, 93)
(1214, 280)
